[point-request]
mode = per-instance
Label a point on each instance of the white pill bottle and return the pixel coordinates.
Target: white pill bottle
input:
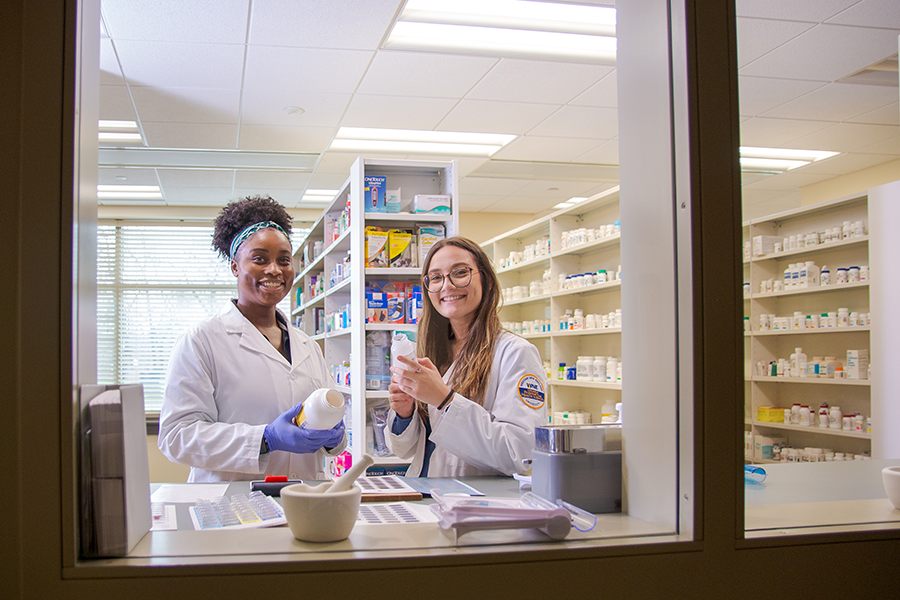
(323, 409)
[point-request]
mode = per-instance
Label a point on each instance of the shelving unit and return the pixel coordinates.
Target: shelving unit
(347, 345)
(852, 395)
(558, 346)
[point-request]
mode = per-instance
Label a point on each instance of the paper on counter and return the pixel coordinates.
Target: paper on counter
(187, 492)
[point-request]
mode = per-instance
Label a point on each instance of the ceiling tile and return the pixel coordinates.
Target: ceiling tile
(886, 115)
(196, 178)
(836, 102)
(558, 191)
(327, 181)
(826, 53)
(110, 72)
(271, 180)
(606, 153)
(396, 112)
(187, 105)
(107, 176)
(769, 133)
(266, 107)
(285, 139)
(190, 196)
(522, 204)
(545, 149)
(317, 24)
(395, 73)
(515, 80)
(477, 202)
(580, 122)
(846, 163)
(222, 21)
(871, 13)
(759, 94)
(115, 103)
(603, 93)
(787, 182)
(335, 163)
(190, 135)
(757, 37)
(488, 116)
(845, 137)
(490, 186)
(814, 11)
(284, 197)
(305, 69)
(890, 146)
(170, 64)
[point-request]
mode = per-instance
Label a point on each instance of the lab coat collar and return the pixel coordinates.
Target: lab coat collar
(253, 340)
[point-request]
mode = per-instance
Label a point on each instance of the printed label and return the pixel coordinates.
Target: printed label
(531, 391)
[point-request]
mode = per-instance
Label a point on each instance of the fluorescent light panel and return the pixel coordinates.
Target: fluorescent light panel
(779, 160)
(507, 28)
(105, 125)
(142, 192)
(419, 142)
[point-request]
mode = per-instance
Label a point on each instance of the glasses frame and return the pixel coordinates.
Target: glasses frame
(445, 277)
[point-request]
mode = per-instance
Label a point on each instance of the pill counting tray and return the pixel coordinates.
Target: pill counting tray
(237, 512)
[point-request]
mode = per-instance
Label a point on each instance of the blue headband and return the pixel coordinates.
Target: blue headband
(250, 230)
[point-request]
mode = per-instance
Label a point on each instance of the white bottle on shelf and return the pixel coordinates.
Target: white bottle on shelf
(612, 364)
(598, 369)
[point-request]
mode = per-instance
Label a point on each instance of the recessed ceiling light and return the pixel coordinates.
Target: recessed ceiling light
(318, 195)
(564, 205)
(122, 192)
(120, 178)
(105, 125)
(419, 141)
(576, 200)
(779, 160)
(111, 136)
(507, 28)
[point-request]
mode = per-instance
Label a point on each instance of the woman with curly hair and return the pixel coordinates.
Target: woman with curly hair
(470, 406)
(237, 380)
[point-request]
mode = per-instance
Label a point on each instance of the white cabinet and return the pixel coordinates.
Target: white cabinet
(595, 249)
(765, 344)
(333, 309)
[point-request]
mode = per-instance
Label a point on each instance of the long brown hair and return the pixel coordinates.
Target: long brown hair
(476, 357)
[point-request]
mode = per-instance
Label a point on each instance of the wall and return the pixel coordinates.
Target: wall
(162, 470)
(482, 226)
(851, 183)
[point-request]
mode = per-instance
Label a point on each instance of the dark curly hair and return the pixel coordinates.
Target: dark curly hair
(239, 214)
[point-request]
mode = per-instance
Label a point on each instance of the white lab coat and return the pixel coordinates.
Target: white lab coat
(225, 383)
(472, 440)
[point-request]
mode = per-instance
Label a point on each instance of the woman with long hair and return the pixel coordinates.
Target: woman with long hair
(469, 403)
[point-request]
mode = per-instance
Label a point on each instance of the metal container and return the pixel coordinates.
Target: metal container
(596, 437)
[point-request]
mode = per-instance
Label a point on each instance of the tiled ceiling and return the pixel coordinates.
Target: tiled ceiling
(217, 74)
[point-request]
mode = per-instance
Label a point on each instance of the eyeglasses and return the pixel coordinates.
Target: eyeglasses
(460, 277)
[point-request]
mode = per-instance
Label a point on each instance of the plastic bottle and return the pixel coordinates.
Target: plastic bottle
(323, 409)
(787, 276)
(801, 363)
(823, 415)
(402, 346)
(619, 372)
(825, 276)
(608, 413)
(598, 369)
(583, 368)
(804, 416)
(578, 319)
(795, 414)
(843, 317)
(835, 418)
(562, 371)
(612, 364)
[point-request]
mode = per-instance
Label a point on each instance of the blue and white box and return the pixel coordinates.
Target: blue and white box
(432, 203)
(374, 192)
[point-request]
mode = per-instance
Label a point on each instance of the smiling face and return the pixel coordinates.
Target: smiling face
(458, 304)
(264, 269)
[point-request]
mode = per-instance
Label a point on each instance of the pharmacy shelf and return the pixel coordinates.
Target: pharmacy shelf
(835, 287)
(831, 330)
(319, 300)
(604, 242)
(815, 430)
(338, 333)
(391, 326)
(585, 384)
(540, 261)
(582, 332)
(538, 336)
(342, 242)
(377, 394)
(344, 389)
(811, 381)
(393, 271)
(812, 250)
(341, 285)
(407, 217)
(596, 288)
(528, 300)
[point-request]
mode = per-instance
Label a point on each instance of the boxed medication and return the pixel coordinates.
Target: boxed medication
(413, 304)
(431, 203)
(402, 246)
(373, 193)
(857, 364)
(392, 201)
(764, 244)
(376, 306)
(428, 236)
(376, 247)
(764, 447)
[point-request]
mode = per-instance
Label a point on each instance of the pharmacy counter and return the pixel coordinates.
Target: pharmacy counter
(187, 546)
(825, 497)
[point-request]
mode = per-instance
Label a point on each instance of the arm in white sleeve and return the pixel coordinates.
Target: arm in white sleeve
(403, 445)
(498, 440)
(189, 431)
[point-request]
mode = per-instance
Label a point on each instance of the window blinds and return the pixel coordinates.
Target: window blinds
(153, 283)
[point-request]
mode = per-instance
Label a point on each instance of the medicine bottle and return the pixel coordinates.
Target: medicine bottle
(583, 368)
(823, 415)
(598, 369)
(843, 317)
(825, 276)
(562, 371)
(322, 410)
(835, 418)
(608, 413)
(804, 416)
(612, 364)
(402, 346)
(578, 319)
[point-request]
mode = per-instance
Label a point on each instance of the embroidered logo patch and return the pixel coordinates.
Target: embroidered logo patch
(531, 391)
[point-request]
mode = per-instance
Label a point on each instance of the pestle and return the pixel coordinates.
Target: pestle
(346, 480)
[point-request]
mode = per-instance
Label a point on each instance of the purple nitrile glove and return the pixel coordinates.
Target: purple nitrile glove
(284, 434)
